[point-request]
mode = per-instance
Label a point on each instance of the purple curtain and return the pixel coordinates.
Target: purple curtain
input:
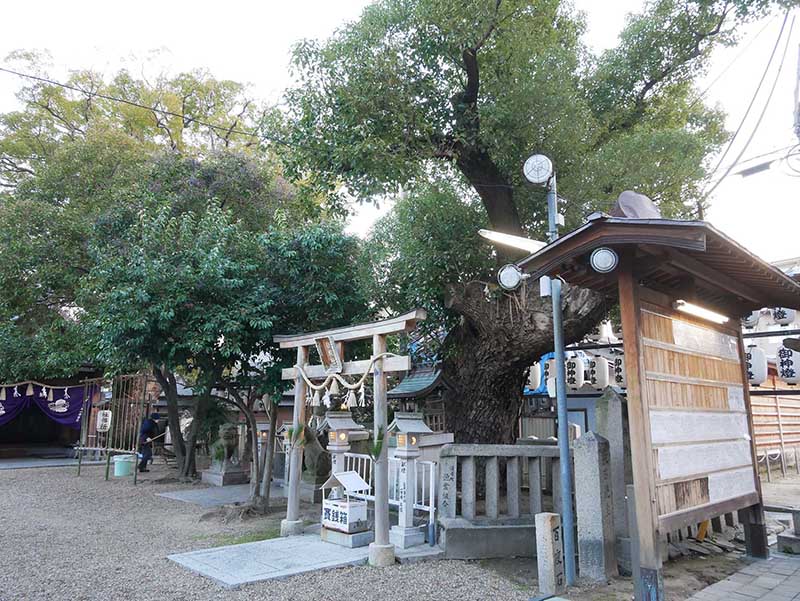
(13, 405)
(65, 408)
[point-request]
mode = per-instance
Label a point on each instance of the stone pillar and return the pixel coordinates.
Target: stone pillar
(381, 552)
(293, 524)
(404, 534)
(447, 486)
(594, 508)
(609, 426)
(550, 554)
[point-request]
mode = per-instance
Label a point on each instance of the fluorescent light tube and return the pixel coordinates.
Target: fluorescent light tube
(698, 311)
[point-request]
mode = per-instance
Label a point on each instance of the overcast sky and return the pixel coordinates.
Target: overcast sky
(250, 42)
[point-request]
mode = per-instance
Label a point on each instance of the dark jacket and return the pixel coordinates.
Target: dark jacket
(149, 429)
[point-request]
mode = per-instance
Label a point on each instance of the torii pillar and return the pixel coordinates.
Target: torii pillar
(381, 552)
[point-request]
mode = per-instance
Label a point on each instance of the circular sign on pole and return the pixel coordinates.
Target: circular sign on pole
(537, 169)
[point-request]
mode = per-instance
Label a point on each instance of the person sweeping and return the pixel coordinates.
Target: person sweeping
(147, 433)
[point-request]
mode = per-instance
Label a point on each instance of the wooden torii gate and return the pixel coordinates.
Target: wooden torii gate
(331, 346)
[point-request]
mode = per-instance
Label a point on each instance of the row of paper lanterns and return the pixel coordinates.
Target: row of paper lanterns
(780, 315)
(787, 363)
(599, 372)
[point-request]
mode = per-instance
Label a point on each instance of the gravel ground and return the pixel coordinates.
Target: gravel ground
(64, 537)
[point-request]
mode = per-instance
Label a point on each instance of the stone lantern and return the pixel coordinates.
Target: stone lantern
(341, 429)
(407, 428)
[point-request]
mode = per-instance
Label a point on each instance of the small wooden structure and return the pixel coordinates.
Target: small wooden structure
(691, 431)
(331, 343)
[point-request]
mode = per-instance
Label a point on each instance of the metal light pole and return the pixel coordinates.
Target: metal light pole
(565, 461)
(538, 169)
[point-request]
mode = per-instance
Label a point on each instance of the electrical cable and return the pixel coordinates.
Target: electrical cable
(730, 64)
(185, 118)
(755, 95)
(761, 116)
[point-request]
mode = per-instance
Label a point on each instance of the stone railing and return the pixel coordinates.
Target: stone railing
(492, 526)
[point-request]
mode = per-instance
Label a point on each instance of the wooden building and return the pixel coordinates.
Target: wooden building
(682, 287)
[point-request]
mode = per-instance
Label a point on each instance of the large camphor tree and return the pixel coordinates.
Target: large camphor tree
(446, 99)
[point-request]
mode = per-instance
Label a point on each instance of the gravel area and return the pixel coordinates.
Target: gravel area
(65, 537)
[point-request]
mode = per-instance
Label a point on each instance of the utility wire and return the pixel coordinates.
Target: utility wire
(185, 118)
(761, 116)
(755, 95)
(730, 64)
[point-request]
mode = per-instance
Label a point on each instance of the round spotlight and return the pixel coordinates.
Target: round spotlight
(510, 277)
(537, 169)
(604, 260)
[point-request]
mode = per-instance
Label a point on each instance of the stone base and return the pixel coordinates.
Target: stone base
(227, 478)
(461, 539)
(381, 556)
(357, 539)
(789, 543)
(291, 527)
(403, 538)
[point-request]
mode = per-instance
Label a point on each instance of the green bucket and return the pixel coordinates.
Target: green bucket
(123, 465)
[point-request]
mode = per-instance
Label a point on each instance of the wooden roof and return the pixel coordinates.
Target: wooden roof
(684, 259)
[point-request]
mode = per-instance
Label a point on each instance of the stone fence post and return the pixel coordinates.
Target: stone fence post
(594, 508)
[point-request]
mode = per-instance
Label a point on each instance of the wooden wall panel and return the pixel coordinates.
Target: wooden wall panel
(694, 426)
(691, 460)
(698, 423)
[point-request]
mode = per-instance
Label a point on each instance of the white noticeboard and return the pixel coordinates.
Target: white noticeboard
(103, 420)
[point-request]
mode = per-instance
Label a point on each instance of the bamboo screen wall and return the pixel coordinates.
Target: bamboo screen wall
(698, 417)
(776, 419)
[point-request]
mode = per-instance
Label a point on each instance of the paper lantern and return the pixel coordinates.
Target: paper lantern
(549, 369)
(788, 365)
(575, 373)
(598, 372)
(783, 316)
(756, 365)
(751, 320)
(535, 377)
(620, 379)
(551, 387)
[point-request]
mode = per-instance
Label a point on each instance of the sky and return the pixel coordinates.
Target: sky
(251, 42)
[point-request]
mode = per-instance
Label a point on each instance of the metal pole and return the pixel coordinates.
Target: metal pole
(565, 462)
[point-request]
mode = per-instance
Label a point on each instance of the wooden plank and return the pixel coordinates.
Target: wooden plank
(695, 515)
(683, 461)
(393, 325)
(695, 426)
(647, 525)
(350, 368)
(713, 276)
(731, 484)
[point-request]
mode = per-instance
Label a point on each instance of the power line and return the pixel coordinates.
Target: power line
(730, 64)
(763, 111)
(185, 118)
(755, 95)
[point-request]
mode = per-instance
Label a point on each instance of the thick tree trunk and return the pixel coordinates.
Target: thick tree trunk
(189, 467)
(266, 483)
(487, 355)
(170, 389)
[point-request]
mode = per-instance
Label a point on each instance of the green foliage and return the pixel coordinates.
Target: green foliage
(428, 240)
(419, 92)
(376, 448)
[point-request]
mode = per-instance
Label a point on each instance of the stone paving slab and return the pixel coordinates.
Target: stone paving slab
(774, 579)
(213, 496)
(235, 565)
